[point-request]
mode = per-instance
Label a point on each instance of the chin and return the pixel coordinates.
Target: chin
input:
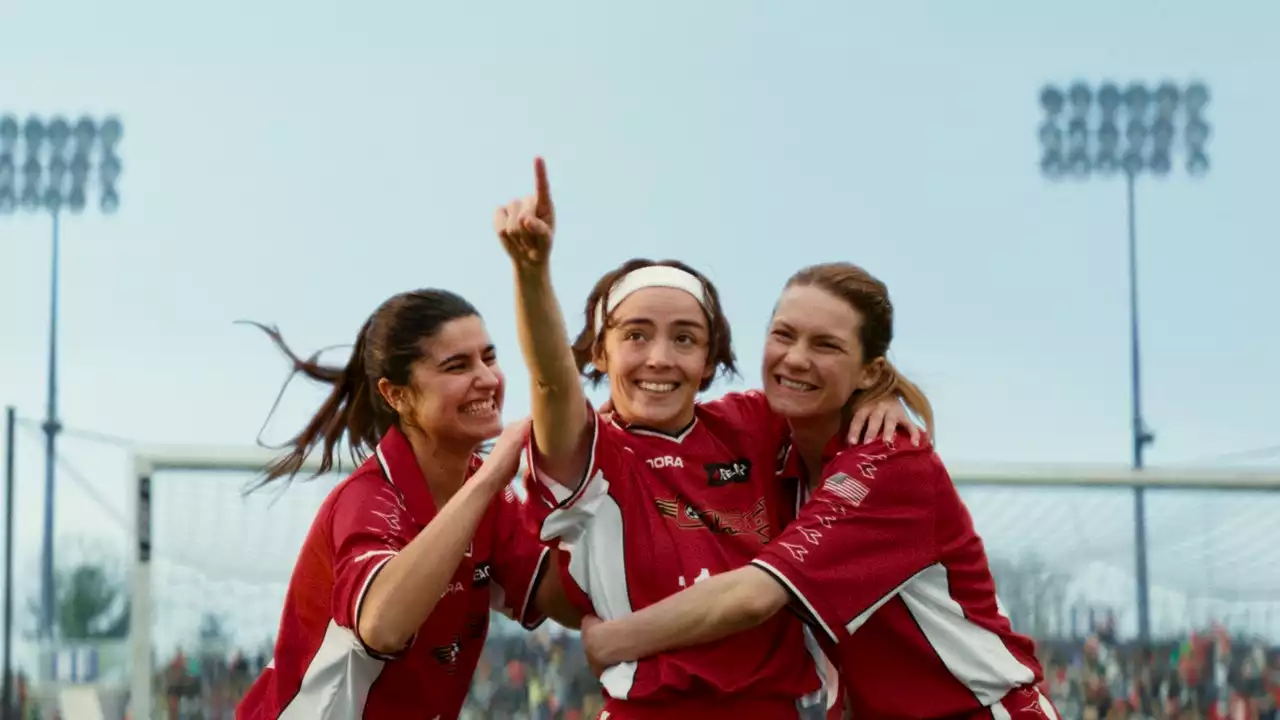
(666, 416)
(788, 405)
(481, 430)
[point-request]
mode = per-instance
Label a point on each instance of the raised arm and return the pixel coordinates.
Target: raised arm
(561, 429)
(712, 609)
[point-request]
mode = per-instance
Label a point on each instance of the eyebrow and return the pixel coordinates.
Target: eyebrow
(650, 323)
(783, 324)
(486, 350)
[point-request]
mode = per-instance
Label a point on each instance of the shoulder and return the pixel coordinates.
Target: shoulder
(362, 493)
(900, 465)
(746, 406)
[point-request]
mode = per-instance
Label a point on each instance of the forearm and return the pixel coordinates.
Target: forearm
(409, 586)
(551, 600)
(712, 609)
(559, 406)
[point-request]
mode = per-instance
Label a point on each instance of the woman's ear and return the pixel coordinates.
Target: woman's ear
(872, 372)
(394, 395)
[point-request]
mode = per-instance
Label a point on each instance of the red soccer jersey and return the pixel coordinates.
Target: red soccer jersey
(321, 668)
(656, 512)
(884, 560)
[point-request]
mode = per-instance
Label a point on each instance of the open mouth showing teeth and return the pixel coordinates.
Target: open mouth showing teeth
(480, 407)
(657, 387)
(796, 385)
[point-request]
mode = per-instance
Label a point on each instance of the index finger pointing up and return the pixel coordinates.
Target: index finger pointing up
(542, 188)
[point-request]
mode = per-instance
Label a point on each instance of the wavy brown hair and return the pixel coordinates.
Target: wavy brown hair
(589, 344)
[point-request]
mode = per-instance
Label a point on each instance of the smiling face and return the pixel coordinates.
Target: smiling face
(655, 355)
(455, 390)
(813, 358)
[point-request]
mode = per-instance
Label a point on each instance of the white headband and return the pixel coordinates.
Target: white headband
(647, 277)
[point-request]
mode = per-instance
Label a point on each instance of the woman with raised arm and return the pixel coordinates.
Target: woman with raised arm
(664, 491)
(883, 560)
(388, 606)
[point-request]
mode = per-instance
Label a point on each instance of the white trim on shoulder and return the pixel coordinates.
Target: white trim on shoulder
(370, 574)
(795, 592)
(539, 572)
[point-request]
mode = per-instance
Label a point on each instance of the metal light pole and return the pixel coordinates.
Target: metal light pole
(46, 167)
(1129, 131)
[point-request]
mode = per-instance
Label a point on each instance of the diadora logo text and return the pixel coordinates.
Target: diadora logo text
(666, 461)
(721, 474)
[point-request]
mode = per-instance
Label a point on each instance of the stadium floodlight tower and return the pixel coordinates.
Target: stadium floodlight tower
(48, 167)
(1129, 131)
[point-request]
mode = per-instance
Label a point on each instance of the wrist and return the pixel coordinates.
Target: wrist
(605, 646)
(531, 273)
(491, 479)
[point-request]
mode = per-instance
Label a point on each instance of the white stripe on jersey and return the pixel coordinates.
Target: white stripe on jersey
(976, 656)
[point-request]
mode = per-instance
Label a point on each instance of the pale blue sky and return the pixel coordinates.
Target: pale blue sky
(297, 162)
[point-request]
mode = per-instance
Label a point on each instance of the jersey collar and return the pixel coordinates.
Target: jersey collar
(400, 468)
(789, 464)
(635, 429)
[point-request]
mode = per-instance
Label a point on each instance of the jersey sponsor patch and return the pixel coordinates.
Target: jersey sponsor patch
(846, 488)
(480, 576)
(721, 474)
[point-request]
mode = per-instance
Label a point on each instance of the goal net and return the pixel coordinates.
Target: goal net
(211, 564)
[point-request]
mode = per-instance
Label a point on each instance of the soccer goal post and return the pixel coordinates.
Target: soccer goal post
(166, 465)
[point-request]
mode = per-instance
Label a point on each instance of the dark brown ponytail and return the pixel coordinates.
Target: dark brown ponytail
(391, 340)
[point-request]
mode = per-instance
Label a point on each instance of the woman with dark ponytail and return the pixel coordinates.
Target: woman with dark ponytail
(883, 561)
(388, 607)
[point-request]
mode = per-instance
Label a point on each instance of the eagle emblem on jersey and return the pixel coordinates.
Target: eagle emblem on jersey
(846, 488)
(721, 522)
(448, 655)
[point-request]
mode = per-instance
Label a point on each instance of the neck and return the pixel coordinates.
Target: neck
(810, 436)
(675, 427)
(443, 465)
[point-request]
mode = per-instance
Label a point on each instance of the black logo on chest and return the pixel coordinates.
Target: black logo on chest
(480, 577)
(721, 474)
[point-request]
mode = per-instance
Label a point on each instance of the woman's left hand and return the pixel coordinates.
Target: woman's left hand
(589, 622)
(881, 419)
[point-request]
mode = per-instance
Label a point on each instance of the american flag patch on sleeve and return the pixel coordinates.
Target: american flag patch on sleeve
(846, 488)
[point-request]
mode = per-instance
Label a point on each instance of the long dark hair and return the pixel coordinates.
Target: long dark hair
(391, 341)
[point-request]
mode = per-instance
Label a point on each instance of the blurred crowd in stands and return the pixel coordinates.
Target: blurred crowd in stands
(1207, 675)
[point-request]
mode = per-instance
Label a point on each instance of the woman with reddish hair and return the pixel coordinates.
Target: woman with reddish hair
(882, 561)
